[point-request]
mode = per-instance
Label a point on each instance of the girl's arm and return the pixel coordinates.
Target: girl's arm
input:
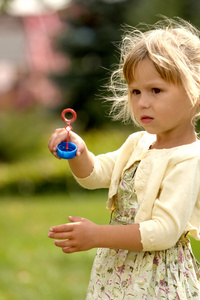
(176, 208)
(82, 164)
(82, 234)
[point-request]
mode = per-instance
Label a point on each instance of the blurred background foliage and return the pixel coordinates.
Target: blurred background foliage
(84, 51)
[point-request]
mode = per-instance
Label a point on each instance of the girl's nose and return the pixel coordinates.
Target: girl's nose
(143, 101)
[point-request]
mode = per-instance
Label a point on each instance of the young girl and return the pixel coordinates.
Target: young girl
(153, 179)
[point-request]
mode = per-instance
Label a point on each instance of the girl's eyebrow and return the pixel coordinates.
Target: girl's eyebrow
(151, 83)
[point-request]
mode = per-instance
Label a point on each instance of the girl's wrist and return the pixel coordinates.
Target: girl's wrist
(97, 236)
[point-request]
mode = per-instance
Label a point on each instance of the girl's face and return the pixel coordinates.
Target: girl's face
(160, 107)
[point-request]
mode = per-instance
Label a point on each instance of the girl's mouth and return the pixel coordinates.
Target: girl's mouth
(146, 119)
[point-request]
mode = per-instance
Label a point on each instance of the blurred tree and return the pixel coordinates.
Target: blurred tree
(191, 10)
(93, 28)
(3, 5)
(149, 11)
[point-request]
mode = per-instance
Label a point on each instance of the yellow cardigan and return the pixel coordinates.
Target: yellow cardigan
(167, 184)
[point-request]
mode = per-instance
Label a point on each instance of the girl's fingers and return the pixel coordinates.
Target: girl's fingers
(65, 243)
(60, 135)
(65, 227)
(59, 236)
(69, 250)
(61, 228)
(75, 219)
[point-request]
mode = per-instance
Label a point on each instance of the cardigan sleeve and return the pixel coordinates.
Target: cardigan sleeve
(101, 175)
(105, 165)
(179, 196)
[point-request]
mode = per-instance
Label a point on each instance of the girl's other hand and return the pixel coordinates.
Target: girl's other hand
(60, 135)
(79, 235)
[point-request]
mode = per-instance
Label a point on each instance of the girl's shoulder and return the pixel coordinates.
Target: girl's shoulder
(179, 154)
(187, 151)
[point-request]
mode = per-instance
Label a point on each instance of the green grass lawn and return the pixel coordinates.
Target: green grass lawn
(31, 267)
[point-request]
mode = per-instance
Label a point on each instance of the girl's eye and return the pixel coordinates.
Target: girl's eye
(156, 91)
(135, 92)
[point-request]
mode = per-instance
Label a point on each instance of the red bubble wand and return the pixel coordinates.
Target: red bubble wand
(66, 149)
(68, 127)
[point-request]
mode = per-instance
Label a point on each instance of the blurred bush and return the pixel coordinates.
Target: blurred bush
(21, 134)
(27, 167)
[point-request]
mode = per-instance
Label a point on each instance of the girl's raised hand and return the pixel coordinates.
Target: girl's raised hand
(60, 135)
(79, 235)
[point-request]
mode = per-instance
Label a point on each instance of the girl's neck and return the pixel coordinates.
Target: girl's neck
(162, 143)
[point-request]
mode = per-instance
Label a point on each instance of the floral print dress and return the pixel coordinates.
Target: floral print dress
(118, 274)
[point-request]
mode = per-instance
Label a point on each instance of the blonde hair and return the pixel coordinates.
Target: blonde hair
(173, 45)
